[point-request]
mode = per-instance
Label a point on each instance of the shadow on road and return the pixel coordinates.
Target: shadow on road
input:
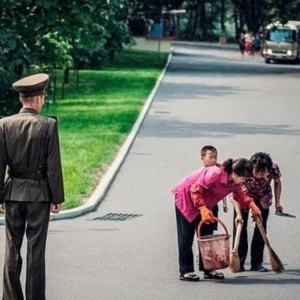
(201, 91)
(261, 281)
(167, 128)
(230, 65)
(283, 278)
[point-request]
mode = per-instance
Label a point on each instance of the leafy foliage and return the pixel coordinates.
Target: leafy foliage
(9, 103)
(202, 15)
(258, 13)
(44, 35)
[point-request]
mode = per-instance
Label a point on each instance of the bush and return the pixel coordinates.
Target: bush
(9, 103)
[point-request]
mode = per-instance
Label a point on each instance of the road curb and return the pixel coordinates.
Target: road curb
(212, 45)
(106, 180)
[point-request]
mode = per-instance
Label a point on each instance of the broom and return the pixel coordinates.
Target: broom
(234, 264)
(275, 261)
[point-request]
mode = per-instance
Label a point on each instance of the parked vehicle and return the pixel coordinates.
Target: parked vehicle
(282, 42)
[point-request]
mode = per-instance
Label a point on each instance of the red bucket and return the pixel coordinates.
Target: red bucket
(215, 248)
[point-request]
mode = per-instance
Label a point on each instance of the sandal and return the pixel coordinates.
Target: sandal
(213, 275)
(189, 277)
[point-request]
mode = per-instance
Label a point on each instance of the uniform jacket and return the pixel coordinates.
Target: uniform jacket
(214, 181)
(30, 164)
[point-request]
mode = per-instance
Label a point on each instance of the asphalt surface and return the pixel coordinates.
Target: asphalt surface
(207, 96)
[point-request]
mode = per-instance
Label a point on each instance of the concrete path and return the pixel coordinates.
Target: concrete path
(208, 96)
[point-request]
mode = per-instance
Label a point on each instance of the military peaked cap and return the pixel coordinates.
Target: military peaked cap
(33, 85)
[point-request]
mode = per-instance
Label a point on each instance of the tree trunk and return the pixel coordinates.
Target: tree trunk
(77, 80)
(203, 26)
(236, 26)
(223, 16)
(241, 17)
(54, 84)
(196, 23)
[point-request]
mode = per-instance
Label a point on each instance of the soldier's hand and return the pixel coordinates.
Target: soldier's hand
(2, 210)
(55, 208)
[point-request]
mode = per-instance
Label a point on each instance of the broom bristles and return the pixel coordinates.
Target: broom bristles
(275, 261)
(234, 262)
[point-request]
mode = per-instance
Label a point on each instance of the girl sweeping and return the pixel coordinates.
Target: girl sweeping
(195, 195)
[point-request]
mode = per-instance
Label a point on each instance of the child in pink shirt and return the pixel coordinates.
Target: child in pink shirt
(195, 195)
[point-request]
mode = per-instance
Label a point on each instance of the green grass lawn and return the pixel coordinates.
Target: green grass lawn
(95, 119)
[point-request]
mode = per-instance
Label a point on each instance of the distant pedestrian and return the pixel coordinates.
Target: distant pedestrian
(249, 43)
(29, 152)
(242, 42)
(257, 43)
(195, 195)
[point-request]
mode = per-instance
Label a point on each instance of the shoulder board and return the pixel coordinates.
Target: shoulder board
(53, 117)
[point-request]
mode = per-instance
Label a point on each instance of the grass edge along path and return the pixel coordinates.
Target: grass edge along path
(95, 120)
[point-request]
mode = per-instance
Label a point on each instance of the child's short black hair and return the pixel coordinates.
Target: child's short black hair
(208, 148)
(261, 161)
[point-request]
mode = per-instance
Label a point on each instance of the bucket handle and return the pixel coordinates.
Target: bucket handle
(216, 220)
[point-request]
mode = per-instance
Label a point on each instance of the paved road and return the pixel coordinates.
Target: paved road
(208, 96)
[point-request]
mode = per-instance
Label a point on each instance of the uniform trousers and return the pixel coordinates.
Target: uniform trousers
(31, 218)
(257, 243)
(186, 233)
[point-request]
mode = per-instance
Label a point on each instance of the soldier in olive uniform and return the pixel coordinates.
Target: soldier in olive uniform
(31, 186)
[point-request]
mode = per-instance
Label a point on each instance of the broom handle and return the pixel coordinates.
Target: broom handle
(275, 261)
(262, 232)
(237, 237)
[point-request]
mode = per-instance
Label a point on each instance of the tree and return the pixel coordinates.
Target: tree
(9, 103)
(257, 13)
(52, 34)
